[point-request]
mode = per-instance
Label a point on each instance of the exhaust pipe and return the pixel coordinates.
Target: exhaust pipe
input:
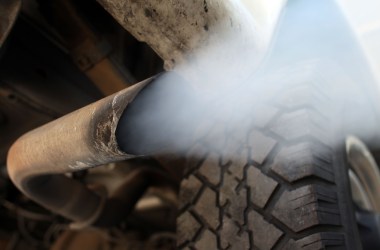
(83, 139)
(98, 134)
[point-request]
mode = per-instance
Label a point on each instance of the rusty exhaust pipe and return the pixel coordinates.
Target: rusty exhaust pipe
(83, 139)
(38, 160)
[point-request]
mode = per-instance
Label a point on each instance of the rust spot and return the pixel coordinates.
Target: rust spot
(147, 13)
(205, 7)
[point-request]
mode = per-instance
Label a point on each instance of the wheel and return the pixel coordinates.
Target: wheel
(278, 179)
(268, 167)
(364, 175)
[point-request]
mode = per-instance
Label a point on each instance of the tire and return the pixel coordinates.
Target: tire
(277, 181)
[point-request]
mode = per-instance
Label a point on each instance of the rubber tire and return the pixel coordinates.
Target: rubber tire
(279, 181)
